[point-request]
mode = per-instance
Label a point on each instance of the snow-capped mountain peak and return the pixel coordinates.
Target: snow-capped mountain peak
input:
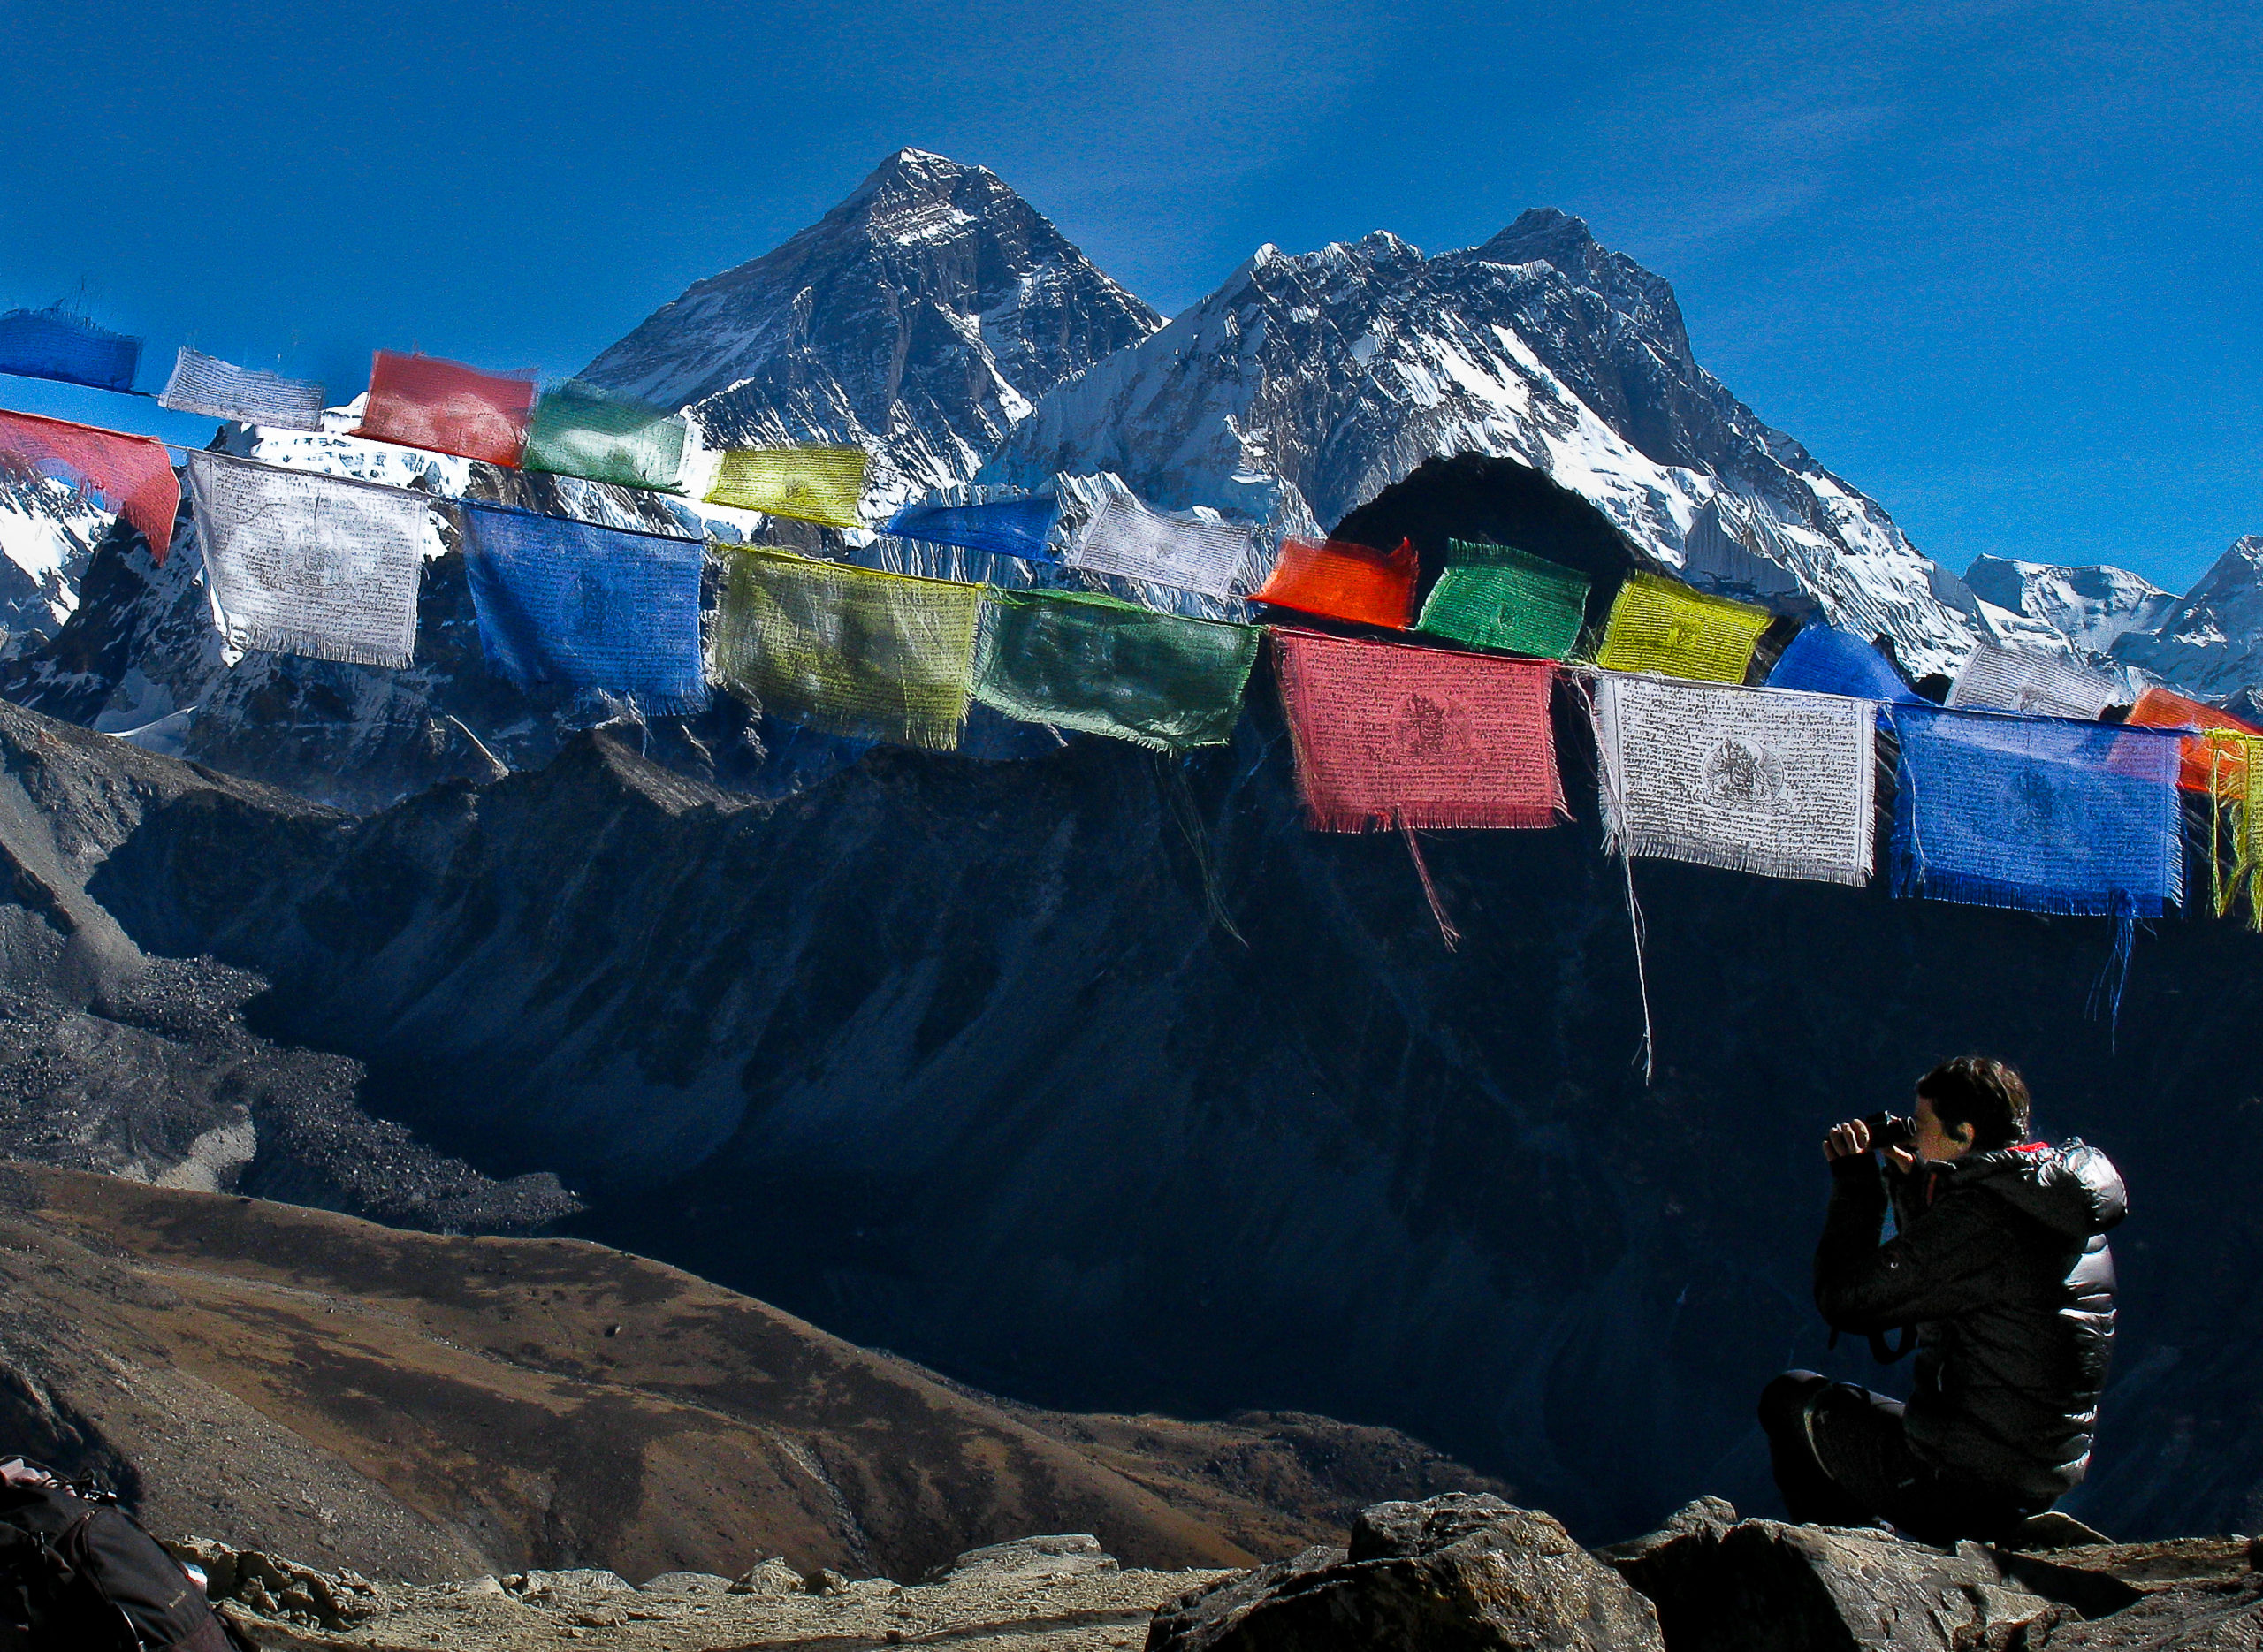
(2092, 607)
(2211, 642)
(1305, 383)
(920, 318)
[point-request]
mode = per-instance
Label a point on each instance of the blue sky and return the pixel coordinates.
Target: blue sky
(1998, 264)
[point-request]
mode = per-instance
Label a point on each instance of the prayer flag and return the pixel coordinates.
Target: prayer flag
(1389, 736)
(808, 485)
(1343, 580)
(2038, 813)
(1664, 626)
(1824, 659)
(848, 650)
(573, 603)
(2008, 679)
(581, 431)
(1125, 538)
(1777, 783)
(446, 407)
(2205, 761)
(1497, 597)
(220, 390)
(54, 344)
(2234, 765)
(1101, 667)
(300, 562)
(132, 472)
(1015, 528)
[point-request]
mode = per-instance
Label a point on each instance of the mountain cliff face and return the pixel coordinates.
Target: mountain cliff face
(919, 319)
(2211, 642)
(1306, 385)
(47, 534)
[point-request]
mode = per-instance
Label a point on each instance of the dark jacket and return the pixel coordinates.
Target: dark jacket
(2000, 1260)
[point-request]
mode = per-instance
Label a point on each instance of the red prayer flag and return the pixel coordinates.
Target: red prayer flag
(2161, 708)
(446, 407)
(1343, 580)
(1389, 735)
(134, 472)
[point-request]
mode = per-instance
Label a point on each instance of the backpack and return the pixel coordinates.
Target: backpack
(77, 1574)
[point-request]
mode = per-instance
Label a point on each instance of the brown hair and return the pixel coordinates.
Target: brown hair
(1983, 1093)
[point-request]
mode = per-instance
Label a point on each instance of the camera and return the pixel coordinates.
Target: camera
(1889, 1129)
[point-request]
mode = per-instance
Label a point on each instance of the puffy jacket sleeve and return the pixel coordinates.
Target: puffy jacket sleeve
(1938, 1267)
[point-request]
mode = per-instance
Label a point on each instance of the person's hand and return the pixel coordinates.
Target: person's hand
(1847, 1139)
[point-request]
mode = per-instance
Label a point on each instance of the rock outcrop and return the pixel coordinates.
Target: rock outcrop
(1726, 1585)
(1453, 1572)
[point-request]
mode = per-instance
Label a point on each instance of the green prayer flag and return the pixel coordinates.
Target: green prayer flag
(1497, 596)
(1107, 667)
(581, 430)
(849, 651)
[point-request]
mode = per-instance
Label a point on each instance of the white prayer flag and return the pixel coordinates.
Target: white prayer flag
(298, 562)
(219, 390)
(2008, 679)
(1125, 538)
(1770, 781)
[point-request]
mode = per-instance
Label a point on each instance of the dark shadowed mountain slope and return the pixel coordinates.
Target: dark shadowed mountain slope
(430, 1407)
(951, 1058)
(114, 1060)
(919, 318)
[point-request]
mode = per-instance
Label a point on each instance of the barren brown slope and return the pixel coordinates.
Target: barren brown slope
(429, 1406)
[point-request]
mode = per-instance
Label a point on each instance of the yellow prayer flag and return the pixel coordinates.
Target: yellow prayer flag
(810, 484)
(2234, 765)
(1661, 625)
(849, 651)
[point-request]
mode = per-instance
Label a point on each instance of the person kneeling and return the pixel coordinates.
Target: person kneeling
(2000, 1262)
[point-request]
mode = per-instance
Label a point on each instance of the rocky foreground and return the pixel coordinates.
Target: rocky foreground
(1460, 1571)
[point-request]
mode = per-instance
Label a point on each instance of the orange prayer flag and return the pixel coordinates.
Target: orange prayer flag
(2204, 768)
(1343, 580)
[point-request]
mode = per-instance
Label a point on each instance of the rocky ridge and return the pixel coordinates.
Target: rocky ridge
(1457, 1570)
(425, 1405)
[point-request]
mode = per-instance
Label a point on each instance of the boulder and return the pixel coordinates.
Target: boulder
(1727, 1585)
(1030, 1560)
(773, 1576)
(1454, 1573)
(686, 1583)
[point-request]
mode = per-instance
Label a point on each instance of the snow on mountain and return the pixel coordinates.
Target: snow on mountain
(2210, 642)
(1306, 384)
(920, 319)
(47, 533)
(2091, 607)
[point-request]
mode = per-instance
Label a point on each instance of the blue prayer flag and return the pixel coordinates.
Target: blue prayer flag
(1015, 528)
(54, 344)
(573, 603)
(1824, 659)
(2039, 813)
